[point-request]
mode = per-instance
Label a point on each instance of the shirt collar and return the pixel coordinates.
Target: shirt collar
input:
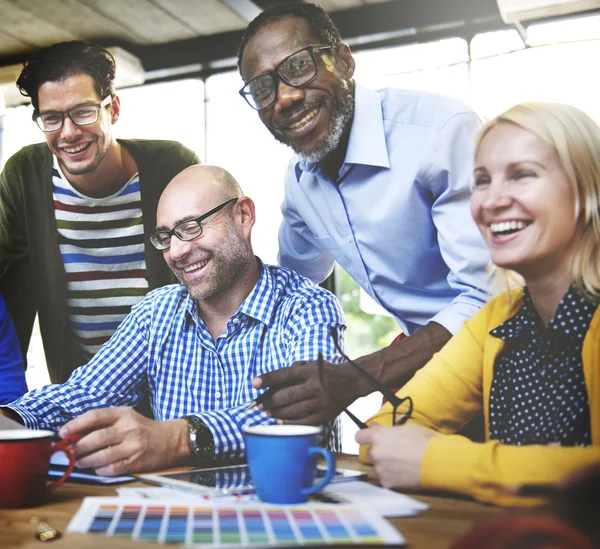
(260, 303)
(526, 318)
(367, 144)
(190, 307)
(573, 316)
(573, 306)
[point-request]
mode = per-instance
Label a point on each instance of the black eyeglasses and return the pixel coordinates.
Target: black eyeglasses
(394, 400)
(186, 230)
(82, 115)
(295, 70)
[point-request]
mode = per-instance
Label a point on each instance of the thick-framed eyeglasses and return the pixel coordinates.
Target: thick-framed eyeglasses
(399, 418)
(295, 70)
(81, 115)
(186, 230)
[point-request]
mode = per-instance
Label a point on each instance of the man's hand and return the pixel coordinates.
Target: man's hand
(117, 441)
(396, 453)
(300, 397)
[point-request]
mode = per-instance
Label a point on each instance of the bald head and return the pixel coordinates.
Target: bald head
(192, 192)
(212, 252)
(212, 180)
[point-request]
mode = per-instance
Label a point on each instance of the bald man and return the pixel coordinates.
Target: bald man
(195, 346)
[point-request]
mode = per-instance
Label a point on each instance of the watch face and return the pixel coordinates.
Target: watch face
(201, 438)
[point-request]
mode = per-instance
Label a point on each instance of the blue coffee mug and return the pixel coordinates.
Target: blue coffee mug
(282, 462)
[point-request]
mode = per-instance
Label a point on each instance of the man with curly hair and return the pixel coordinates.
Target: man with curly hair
(76, 211)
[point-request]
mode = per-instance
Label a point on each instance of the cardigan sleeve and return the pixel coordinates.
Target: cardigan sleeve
(13, 240)
(488, 470)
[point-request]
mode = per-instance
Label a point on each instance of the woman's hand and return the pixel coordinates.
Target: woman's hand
(396, 453)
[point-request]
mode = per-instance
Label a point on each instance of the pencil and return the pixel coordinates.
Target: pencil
(260, 399)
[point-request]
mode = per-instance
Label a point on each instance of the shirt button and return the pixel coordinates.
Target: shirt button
(236, 320)
(366, 285)
(217, 394)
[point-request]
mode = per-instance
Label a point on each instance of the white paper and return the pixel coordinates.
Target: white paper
(381, 500)
(385, 502)
(156, 494)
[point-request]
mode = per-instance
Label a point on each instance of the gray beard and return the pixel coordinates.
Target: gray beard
(341, 120)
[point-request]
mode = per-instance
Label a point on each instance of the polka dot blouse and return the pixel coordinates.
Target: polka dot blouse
(538, 392)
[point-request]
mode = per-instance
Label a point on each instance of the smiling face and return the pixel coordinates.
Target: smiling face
(311, 119)
(79, 149)
(524, 204)
(213, 263)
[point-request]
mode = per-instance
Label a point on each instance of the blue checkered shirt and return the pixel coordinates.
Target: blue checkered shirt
(164, 347)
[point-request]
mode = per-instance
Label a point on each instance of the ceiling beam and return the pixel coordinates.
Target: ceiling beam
(205, 70)
(418, 17)
(369, 26)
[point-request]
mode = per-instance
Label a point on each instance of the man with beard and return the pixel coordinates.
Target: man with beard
(379, 184)
(76, 211)
(194, 346)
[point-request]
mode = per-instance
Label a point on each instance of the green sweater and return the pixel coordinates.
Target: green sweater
(32, 274)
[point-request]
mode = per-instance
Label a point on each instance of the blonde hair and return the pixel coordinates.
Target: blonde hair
(576, 139)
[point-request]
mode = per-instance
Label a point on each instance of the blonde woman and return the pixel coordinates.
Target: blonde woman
(530, 359)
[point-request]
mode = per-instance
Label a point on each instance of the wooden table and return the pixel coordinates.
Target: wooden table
(445, 520)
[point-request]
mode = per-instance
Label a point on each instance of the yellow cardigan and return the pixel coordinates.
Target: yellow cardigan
(455, 386)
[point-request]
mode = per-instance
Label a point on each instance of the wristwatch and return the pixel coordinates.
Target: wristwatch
(201, 441)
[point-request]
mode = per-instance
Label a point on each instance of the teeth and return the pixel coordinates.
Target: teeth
(505, 226)
(304, 120)
(195, 266)
(76, 149)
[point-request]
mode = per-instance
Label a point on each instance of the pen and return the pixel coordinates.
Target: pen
(261, 398)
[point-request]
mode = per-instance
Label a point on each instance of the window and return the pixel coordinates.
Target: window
(238, 141)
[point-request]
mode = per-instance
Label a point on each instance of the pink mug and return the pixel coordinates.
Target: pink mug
(24, 463)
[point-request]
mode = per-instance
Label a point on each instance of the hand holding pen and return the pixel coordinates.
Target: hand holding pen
(295, 395)
(261, 398)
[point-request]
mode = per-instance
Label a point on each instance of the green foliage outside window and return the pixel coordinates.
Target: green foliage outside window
(367, 333)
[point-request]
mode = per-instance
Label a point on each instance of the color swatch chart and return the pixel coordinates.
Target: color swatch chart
(191, 524)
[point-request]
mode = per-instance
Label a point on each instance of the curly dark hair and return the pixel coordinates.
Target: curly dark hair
(64, 60)
(320, 23)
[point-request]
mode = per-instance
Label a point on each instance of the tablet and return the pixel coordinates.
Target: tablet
(233, 479)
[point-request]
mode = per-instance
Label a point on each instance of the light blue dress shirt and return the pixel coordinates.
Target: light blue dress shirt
(163, 347)
(398, 218)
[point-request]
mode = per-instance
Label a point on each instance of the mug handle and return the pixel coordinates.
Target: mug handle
(63, 446)
(330, 460)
